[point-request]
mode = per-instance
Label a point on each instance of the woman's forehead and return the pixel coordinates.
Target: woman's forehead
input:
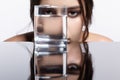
(67, 3)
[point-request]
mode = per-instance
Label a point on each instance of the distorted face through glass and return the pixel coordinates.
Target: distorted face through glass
(54, 16)
(74, 18)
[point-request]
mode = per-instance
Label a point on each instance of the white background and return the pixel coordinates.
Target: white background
(14, 18)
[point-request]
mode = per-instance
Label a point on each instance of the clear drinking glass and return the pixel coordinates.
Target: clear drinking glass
(50, 38)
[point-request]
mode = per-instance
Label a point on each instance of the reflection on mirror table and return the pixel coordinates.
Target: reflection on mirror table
(15, 61)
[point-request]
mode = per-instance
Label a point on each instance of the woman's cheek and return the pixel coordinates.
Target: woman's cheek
(74, 28)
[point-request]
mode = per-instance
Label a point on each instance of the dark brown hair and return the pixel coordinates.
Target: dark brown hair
(87, 66)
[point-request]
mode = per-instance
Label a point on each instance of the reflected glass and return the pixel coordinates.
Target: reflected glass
(78, 67)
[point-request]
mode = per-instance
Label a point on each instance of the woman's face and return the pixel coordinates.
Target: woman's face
(74, 19)
(74, 28)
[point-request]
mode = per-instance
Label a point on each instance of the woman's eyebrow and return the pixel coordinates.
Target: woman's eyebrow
(74, 7)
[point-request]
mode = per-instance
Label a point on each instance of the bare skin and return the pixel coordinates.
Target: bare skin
(29, 37)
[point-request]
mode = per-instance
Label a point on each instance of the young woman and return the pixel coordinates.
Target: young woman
(78, 18)
(79, 15)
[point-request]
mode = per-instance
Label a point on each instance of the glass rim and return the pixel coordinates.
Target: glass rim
(50, 77)
(50, 6)
(63, 8)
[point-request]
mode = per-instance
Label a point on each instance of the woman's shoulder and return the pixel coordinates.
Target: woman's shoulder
(22, 37)
(93, 37)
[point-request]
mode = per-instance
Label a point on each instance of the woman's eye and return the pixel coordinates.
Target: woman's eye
(73, 14)
(73, 67)
(48, 12)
